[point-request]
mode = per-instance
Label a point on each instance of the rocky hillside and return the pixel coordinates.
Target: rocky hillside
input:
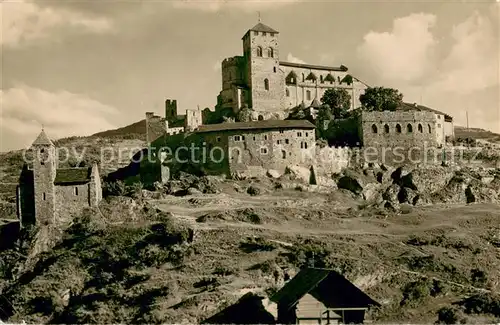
(188, 249)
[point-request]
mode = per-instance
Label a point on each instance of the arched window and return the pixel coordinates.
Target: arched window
(429, 127)
(270, 52)
(287, 92)
(374, 128)
(261, 118)
(420, 128)
(283, 154)
(386, 128)
(259, 51)
(266, 84)
(321, 79)
(308, 95)
(398, 128)
(42, 150)
(409, 128)
(305, 145)
(274, 69)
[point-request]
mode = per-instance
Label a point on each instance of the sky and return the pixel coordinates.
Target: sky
(80, 67)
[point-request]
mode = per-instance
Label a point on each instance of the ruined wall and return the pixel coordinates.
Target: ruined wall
(308, 90)
(156, 127)
(193, 119)
(70, 200)
(95, 187)
(390, 135)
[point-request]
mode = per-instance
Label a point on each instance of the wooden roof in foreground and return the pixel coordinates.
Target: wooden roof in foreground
(328, 286)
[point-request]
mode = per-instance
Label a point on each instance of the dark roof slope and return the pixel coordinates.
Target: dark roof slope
(410, 107)
(257, 125)
(247, 310)
(311, 66)
(327, 286)
(43, 139)
(260, 27)
(66, 176)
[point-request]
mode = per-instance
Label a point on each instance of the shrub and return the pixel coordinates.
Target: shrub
(447, 315)
(415, 292)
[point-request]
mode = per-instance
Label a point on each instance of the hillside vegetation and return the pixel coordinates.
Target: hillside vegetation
(424, 242)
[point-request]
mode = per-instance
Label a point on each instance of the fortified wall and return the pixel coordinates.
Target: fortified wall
(393, 135)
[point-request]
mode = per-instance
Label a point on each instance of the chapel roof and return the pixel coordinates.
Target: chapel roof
(42, 139)
(260, 27)
(66, 176)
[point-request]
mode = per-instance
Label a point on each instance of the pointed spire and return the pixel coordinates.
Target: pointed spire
(43, 139)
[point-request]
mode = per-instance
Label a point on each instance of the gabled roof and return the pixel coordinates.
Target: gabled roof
(42, 139)
(67, 176)
(415, 107)
(330, 77)
(327, 286)
(260, 27)
(256, 125)
(311, 76)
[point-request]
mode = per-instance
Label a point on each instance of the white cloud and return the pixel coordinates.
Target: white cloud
(466, 77)
(245, 5)
(292, 59)
(403, 53)
(23, 21)
(26, 109)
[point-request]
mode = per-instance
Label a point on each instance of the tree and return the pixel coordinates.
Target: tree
(338, 100)
(323, 119)
(381, 99)
(245, 114)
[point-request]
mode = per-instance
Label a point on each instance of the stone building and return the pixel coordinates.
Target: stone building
(410, 125)
(255, 147)
(49, 195)
(412, 133)
(270, 87)
(172, 123)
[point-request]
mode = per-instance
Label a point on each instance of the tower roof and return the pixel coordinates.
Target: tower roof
(260, 27)
(43, 139)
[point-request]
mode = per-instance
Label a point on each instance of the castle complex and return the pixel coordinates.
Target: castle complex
(270, 87)
(49, 195)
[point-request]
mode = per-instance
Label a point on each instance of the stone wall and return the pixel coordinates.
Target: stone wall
(333, 159)
(244, 149)
(44, 174)
(70, 200)
(156, 127)
(266, 78)
(193, 119)
(390, 136)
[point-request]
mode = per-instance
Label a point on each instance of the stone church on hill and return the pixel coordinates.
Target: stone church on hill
(259, 80)
(49, 195)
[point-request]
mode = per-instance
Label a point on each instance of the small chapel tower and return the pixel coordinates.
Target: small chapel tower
(261, 53)
(44, 174)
